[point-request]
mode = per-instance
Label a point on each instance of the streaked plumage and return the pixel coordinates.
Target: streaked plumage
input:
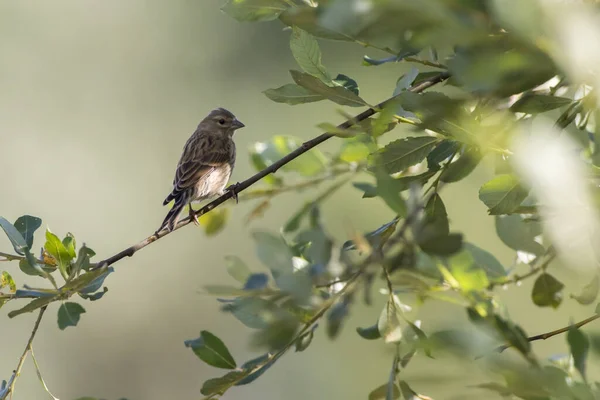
(206, 164)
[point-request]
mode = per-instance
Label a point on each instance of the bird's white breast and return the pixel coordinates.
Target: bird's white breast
(215, 182)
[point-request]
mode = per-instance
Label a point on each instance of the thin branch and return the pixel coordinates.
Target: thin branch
(306, 146)
(535, 269)
(550, 334)
(17, 371)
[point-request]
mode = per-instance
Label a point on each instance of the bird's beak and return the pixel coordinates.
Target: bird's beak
(237, 124)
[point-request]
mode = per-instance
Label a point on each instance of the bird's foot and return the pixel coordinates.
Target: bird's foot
(193, 216)
(234, 191)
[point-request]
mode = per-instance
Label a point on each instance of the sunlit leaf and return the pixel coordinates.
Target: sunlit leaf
(403, 153)
(7, 281)
(337, 94)
(503, 194)
(469, 275)
(211, 350)
(589, 293)
(254, 10)
(539, 103)
(70, 244)
(547, 291)
(69, 314)
(57, 250)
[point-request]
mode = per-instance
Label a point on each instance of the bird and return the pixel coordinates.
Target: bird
(205, 165)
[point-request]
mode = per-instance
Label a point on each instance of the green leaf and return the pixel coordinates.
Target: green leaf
(462, 167)
(69, 314)
(256, 367)
(381, 393)
(304, 341)
(7, 281)
(259, 164)
(389, 190)
(237, 269)
(589, 293)
(306, 18)
(434, 223)
(369, 190)
(254, 10)
(214, 221)
(218, 386)
(407, 392)
(211, 350)
(273, 252)
(503, 194)
(539, 103)
(337, 94)
(443, 245)
(389, 323)
(57, 250)
(83, 260)
(307, 53)
(70, 244)
(518, 234)
(441, 153)
(514, 335)
(15, 237)
(292, 94)
(579, 344)
(547, 291)
(467, 273)
(403, 153)
(347, 82)
(405, 81)
(354, 151)
(309, 164)
(32, 306)
(27, 225)
(370, 333)
(486, 260)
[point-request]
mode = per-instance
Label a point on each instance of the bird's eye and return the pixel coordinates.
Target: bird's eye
(221, 121)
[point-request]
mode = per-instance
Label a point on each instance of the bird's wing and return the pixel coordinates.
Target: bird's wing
(199, 158)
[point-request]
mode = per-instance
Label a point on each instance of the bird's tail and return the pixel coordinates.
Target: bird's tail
(173, 216)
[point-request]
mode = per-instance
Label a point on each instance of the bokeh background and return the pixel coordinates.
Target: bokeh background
(96, 102)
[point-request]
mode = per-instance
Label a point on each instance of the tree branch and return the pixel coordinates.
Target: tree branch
(306, 146)
(13, 379)
(550, 334)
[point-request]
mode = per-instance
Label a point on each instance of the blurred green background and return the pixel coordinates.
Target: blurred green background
(96, 102)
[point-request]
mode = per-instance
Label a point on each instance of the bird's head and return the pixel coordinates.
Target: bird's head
(221, 120)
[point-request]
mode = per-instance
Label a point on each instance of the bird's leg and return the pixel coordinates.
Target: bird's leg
(233, 190)
(193, 216)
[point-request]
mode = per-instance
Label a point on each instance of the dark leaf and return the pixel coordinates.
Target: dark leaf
(514, 335)
(27, 225)
(503, 194)
(368, 189)
(292, 94)
(69, 314)
(462, 167)
(579, 345)
(211, 350)
(389, 190)
(32, 306)
(441, 153)
(347, 82)
(443, 245)
(304, 341)
(14, 236)
(370, 333)
(255, 368)
(256, 281)
(337, 94)
(539, 103)
(547, 291)
(376, 238)
(403, 153)
(218, 386)
(335, 318)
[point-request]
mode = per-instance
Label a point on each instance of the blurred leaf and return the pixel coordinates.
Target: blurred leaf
(389, 190)
(218, 386)
(486, 260)
(83, 260)
(306, 18)
(254, 312)
(495, 387)
(57, 250)
(319, 246)
(307, 53)
(369, 333)
(70, 244)
(214, 221)
(462, 167)
(237, 269)
(467, 273)
(385, 121)
(309, 164)
(579, 345)
(547, 291)
(335, 318)
(211, 350)
(503, 194)
(376, 238)
(354, 151)
(264, 362)
(369, 190)
(337, 94)
(514, 335)
(254, 10)
(277, 335)
(589, 293)
(518, 234)
(434, 223)
(443, 245)
(409, 394)
(14, 236)
(7, 281)
(405, 81)
(69, 314)
(389, 323)
(27, 225)
(381, 393)
(304, 341)
(441, 153)
(403, 153)
(292, 94)
(347, 82)
(421, 336)
(256, 281)
(539, 103)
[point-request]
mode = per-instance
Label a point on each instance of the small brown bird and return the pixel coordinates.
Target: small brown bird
(205, 166)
